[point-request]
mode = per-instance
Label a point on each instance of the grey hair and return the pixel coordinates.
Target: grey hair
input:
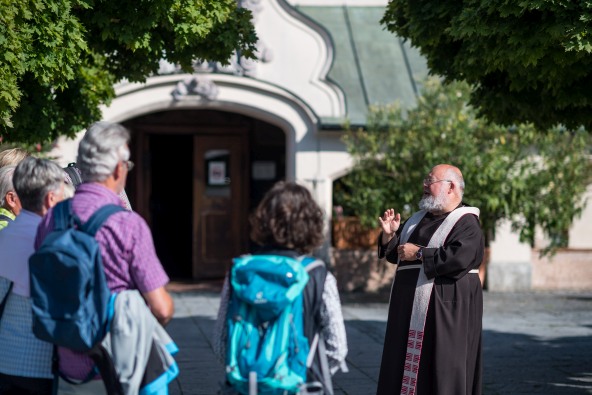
(457, 178)
(12, 156)
(104, 144)
(34, 178)
(6, 186)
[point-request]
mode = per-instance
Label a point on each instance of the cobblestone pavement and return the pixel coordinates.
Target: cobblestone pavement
(534, 343)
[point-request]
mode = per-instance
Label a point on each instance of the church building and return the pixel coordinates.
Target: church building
(208, 145)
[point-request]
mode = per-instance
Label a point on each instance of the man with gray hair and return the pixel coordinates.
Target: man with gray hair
(127, 249)
(10, 205)
(25, 365)
(432, 343)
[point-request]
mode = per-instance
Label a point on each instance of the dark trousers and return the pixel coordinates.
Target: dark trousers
(18, 385)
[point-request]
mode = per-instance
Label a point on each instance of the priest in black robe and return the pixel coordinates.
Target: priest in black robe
(434, 330)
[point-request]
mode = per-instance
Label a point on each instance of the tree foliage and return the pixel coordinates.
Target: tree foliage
(536, 179)
(528, 61)
(60, 58)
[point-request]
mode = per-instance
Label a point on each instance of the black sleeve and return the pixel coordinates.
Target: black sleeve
(389, 250)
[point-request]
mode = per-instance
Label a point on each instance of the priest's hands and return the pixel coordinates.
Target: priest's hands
(408, 252)
(389, 222)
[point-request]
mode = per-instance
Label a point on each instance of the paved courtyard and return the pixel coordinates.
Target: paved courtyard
(534, 343)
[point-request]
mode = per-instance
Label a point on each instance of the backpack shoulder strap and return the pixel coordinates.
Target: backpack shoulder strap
(317, 364)
(313, 293)
(63, 216)
(96, 220)
(310, 263)
(5, 298)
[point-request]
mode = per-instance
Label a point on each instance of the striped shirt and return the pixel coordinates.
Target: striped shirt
(21, 353)
(128, 253)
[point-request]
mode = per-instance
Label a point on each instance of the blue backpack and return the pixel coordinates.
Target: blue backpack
(69, 293)
(267, 350)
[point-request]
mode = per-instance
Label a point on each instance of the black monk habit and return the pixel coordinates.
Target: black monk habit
(450, 361)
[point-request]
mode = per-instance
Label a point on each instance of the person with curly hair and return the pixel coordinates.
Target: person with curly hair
(288, 222)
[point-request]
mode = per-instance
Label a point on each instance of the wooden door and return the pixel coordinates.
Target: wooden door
(220, 203)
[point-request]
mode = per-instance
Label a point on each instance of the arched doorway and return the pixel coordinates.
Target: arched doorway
(199, 174)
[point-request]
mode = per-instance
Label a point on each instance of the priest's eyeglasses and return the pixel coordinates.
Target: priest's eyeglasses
(428, 181)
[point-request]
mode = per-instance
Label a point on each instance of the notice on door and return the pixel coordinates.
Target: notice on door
(216, 173)
(263, 170)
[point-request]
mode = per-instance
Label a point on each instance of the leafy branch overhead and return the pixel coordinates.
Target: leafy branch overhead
(61, 58)
(529, 61)
(533, 178)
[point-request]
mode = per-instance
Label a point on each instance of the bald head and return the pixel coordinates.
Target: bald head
(443, 189)
(444, 167)
(450, 172)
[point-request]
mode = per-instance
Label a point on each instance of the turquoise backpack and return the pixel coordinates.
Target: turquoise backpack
(267, 350)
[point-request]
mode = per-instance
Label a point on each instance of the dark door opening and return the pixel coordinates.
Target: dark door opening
(171, 201)
(198, 175)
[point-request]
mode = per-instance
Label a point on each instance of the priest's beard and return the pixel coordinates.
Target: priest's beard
(433, 203)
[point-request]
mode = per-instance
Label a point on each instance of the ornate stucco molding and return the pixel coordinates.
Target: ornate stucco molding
(195, 86)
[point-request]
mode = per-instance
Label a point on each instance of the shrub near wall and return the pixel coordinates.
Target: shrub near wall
(534, 178)
(348, 233)
(354, 259)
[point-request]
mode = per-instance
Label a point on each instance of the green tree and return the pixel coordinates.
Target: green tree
(60, 58)
(536, 179)
(528, 61)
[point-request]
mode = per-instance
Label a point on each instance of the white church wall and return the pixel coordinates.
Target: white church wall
(509, 267)
(579, 234)
(297, 59)
(323, 159)
(337, 3)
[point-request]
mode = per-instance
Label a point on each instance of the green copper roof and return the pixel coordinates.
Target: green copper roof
(371, 65)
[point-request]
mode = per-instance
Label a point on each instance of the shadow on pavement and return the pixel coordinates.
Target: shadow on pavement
(523, 364)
